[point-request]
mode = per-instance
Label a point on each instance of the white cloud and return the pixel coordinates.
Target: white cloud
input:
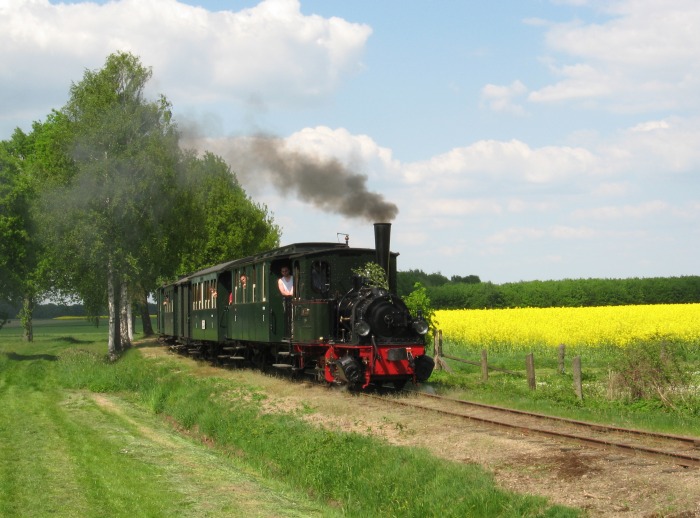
(360, 151)
(657, 147)
(271, 54)
(513, 235)
(580, 82)
(612, 189)
(609, 213)
(501, 98)
(517, 205)
(650, 126)
(440, 207)
(643, 57)
(514, 160)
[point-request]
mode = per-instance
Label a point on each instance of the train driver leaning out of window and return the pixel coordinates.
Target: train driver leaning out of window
(286, 282)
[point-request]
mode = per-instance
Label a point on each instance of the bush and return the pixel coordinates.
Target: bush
(653, 370)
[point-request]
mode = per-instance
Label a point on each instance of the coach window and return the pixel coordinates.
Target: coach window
(320, 277)
(241, 286)
(253, 285)
(211, 294)
(195, 296)
(167, 304)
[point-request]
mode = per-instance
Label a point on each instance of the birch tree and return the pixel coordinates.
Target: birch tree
(103, 221)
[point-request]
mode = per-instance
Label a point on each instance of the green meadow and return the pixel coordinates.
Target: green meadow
(142, 436)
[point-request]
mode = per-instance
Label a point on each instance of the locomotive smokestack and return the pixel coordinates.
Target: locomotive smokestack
(382, 238)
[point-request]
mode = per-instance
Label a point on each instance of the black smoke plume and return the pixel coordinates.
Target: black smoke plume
(325, 183)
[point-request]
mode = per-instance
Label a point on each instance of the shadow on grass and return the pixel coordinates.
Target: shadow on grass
(146, 342)
(71, 340)
(22, 357)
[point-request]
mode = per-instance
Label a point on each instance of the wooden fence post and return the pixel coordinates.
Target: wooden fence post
(437, 347)
(578, 387)
(437, 343)
(562, 349)
(530, 364)
(484, 366)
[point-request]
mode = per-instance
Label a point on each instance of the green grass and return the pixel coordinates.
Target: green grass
(140, 437)
(605, 399)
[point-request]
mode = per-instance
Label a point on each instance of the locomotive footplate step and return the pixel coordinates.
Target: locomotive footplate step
(233, 347)
(282, 365)
(237, 357)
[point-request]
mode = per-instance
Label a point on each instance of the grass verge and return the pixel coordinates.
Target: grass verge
(653, 384)
(107, 448)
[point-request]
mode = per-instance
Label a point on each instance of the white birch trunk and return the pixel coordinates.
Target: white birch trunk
(125, 317)
(113, 343)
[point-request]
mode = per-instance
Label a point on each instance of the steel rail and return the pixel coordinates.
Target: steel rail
(682, 459)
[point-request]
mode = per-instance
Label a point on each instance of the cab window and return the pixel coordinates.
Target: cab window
(320, 277)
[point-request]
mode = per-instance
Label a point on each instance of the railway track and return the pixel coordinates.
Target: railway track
(680, 450)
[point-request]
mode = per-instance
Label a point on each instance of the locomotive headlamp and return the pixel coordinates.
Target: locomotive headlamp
(362, 328)
(420, 325)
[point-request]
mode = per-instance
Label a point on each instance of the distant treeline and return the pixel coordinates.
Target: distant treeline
(455, 293)
(43, 311)
(470, 293)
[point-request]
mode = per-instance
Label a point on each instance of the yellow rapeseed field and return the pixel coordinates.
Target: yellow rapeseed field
(588, 327)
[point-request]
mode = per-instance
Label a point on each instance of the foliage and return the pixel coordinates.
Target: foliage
(117, 207)
(566, 293)
(226, 223)
(419, 302)
(108, 214)
(373, 274)
(20, 251)
(406, 281)
(653, 369)
(13, 232)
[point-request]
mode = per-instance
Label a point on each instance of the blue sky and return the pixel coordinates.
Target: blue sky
(518, 139)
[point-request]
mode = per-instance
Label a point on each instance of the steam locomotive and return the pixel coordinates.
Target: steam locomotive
(337, 327)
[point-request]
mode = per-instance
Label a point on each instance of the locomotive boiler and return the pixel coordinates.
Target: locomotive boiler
(337, 326)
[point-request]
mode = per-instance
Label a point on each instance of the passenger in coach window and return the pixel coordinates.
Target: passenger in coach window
(286, 282)
(286, 286)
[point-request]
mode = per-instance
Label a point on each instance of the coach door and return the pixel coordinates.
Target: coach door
(184, 310)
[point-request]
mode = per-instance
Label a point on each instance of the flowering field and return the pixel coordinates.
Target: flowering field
(579, 327)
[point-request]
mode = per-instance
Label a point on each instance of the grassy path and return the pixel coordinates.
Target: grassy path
(81, 454)
(148, 437)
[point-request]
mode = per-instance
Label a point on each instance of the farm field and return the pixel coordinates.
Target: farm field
(579, 328)
(639, 363)
(198, 441)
